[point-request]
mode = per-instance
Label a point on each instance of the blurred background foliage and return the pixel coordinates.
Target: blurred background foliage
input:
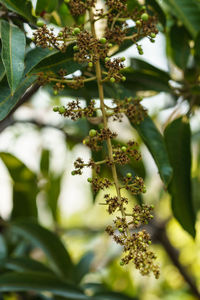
(69, 253)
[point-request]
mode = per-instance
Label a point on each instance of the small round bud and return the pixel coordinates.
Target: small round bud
(151, 216)
(110, 45)
(123, 148)
(136, 222)
(73, 173)
(144, 17)
(138, 23)
(60, 33)
(92, 133)
(50, 48)
(128, 175)
(75, 48)
(85, 141)
(114, 155)
(144, 189)
(123, 58)
(140, 239)
(120, 229)
(121, 263)
(124, 78)
(61, 109)
(129, 99)
(90, 64)
(141, 52)
(55, 92)
(103, 40)
(139, 47)
(55, 108)
(112, 79)
(107, 59)
(89, 180)
(149, 242)
(152, 206)
(66, 1)
(143, 7)
(76, 31)
(153, 35)
(40, 23)
(152, 40)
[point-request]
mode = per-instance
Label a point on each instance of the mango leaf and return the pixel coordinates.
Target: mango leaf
(13, 52)
(39, 282)
(112, 296)
(197, 48)
(7, 101)
(65, 15)
(2, 70)
(35, 56)
(83, 266)
(46, 5)
(44, 162)
(59, 61)
(188, 12)
(178, 141)
(3, 247)
(52, 246)
(24, 264)
(21, 7)
(179, 39)
(156, 146)
(24, 187)
(52, 190)
(158, 10)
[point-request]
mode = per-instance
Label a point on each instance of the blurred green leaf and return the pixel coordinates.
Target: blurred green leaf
(83, 266)
(179, 39)
(197, 48)
(24, 187)
(156, 146)
(132, 4)
(39, 282)
(188, 12)
(49, 242)
(65, 15)
(2, 69)
(52, 190)
(178, 139)
(112, 296)
(46, 5)
(7, 101)
(21, 7)
(158, 10)
(3, 247)
(25, 264)
(44, 162)
(13, 52)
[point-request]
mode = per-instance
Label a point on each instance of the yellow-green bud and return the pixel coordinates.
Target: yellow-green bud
(92, 133)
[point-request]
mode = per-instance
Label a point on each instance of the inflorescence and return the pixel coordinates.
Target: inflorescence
(94, 55)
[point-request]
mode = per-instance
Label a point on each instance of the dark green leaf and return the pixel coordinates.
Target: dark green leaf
(112, 296)
(83, 266)
(178, 138)
(21, 7)
(179, 46)
(132, 4)
(2, 70)
(46, 5)
(65, 15)
(197, 48)
(158, 10)
(39, 282)
(52, 190)
(58, 256)
(25, 264)
(156, 145)
(13, 52)
(24, 187)
(7, 101)
(44, 162)
(3, 247)
(35, 56)
(188, 12)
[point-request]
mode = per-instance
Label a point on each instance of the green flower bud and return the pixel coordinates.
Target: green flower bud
(120, 229)
(123, 148)
(40, 23)
(110, 45)
(153, 35)
(55, 108)
(92, 133)
(55, 92)
(76, 31)
(61, 109)
(112, 79)
(128, 175)
(90, 64)
(75, 48)
(123, 58)
(144, 17)
(66, 1)
(73, 173)
(121, 263)
(103, 40)
(124, 78)
(60, 33)
(149, 242)
(89, 180)
(138, 23)
(107, 59)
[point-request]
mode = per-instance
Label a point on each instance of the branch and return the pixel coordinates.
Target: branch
(9, 120)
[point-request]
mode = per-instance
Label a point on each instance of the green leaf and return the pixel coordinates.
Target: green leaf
(35, 56)
(178, 140)
(156, 146)
(39, 282)
(44, 162)
(65, 15)
(158, 10)
(2, 70)
(24, 187)
(59, 61)
(179, 46)
(46, 5)
(25, 264)
(52, 246)
(13, 52)
(83, 266)
(187, 11)
(3, 247)
(21, 7)
(112, 296)
(7, 101)
(197, 48)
